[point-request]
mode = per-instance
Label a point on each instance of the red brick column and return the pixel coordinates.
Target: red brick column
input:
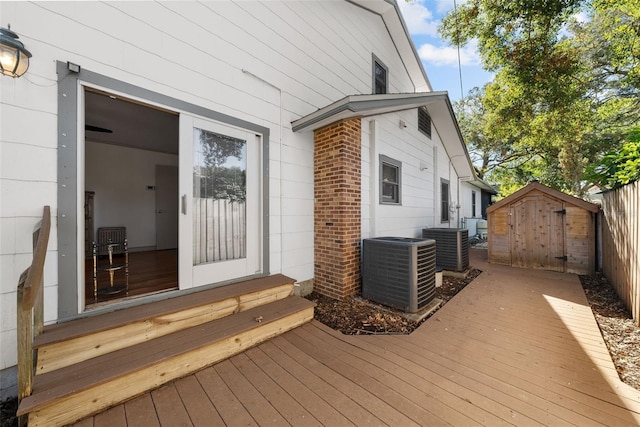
(337, 212)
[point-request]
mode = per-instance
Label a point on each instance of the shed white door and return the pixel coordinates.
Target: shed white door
(537, 233)
(220, 221)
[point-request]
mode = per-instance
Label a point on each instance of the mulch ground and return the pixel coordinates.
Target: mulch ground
(620, 333)
(355, 316)
(358, 317)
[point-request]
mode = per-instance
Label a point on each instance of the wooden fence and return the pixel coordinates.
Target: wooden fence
(219, 230)
(30, 308)
(621, 244)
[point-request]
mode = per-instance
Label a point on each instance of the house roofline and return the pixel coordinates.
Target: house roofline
(392, 17)
(365, 105)
(483, 185)
(442, 116)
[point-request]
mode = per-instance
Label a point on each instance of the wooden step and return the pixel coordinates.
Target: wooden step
(69, 343)
(75, 392)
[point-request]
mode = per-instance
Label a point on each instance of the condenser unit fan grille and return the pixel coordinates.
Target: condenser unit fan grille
(399, 272)
(452, 247)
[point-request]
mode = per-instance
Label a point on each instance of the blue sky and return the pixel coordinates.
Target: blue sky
(440, 61)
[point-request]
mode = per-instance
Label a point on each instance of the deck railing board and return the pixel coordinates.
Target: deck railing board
(30, 308)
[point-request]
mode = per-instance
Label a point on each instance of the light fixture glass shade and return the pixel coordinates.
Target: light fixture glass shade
(14, 58)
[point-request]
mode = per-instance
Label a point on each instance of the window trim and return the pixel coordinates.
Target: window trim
(444, 210)
(398, 165)
(474, 199)
(375, 60)
(71, 194)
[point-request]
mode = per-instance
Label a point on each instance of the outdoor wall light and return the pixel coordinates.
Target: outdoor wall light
(14, 58)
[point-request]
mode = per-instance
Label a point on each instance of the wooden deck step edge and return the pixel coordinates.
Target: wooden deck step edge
(104, 321)
(77, 391)
(73, 342)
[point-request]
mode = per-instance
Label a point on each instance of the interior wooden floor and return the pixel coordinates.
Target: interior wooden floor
(149, 272)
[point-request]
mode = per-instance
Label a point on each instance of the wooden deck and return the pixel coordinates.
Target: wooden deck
(516, 347)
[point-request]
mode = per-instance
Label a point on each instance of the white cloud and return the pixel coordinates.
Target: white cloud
(581, 17)
(448, 56)
(419, 19)
(444, 6)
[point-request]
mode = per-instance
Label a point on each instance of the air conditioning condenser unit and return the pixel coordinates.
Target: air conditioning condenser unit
(452, 247)
(399, 272)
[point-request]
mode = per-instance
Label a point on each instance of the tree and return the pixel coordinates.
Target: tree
(218, 177)
(620, 167)
(565, 91)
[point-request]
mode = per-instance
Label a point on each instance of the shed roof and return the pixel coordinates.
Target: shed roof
(535, 185)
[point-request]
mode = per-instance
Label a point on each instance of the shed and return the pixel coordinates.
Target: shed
(539, 227)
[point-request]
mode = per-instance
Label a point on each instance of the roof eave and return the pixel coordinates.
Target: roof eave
(390, 13)
(443, 118)
(363, 106)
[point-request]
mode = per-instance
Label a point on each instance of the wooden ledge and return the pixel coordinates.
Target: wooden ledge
(112, 378)
(105, 321)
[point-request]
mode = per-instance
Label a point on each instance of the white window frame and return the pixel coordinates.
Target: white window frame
(397, 165)
(474, 199)
(376, 62)
(445, 216)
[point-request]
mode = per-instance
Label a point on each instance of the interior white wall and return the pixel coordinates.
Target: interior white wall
(119, 176)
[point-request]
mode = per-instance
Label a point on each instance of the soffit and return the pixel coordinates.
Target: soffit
(438, 104)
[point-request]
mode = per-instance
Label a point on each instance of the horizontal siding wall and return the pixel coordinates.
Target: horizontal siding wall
(621, 244)
(268, 63)
(382, 135)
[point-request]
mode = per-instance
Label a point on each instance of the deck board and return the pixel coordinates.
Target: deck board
(197, 403)
(141, 412)
(170, 407)
(113, 417)
(91, 324)
(322, 411)
(284, 403)
(515, 347)
(305, 371)
(231, 410)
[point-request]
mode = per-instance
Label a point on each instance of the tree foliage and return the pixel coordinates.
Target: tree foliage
(565, 91)
(219, 177)
(620, 167)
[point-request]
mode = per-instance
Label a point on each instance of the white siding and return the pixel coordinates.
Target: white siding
(420, 205)
(305, 55)
(470, 221)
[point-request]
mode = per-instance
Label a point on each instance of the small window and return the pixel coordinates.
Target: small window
(473, 204)
(424, 121)
(380, 76)
(444, 198)
(390, 185)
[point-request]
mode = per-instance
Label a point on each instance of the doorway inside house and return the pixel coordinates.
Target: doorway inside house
(172, 200)
(131, 198)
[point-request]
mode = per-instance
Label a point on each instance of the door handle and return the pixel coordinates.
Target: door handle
(160, 211)
(184, 204)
